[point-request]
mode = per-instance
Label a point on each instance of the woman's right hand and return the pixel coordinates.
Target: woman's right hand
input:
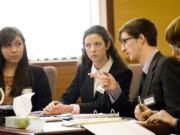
(56, 107)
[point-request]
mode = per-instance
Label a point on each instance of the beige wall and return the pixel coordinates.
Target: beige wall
(161, 12)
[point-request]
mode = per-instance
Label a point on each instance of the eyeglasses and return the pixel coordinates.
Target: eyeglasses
(176, 47)
(124, 40)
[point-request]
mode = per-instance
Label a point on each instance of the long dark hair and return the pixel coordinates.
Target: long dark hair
(22, 76)
(112, 51)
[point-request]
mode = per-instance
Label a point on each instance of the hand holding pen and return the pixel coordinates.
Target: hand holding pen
(141, 107)
(142, 112)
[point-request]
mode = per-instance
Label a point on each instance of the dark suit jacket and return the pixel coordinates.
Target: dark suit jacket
(40, 86)
(178, 126)
(82, 86)
(163, 82)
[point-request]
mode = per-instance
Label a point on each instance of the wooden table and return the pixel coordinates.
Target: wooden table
(13, 131)
(53, 129)
(158, 128)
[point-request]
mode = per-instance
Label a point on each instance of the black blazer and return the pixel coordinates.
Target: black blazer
(82, 86)
(163, 82)
(40, 86)
(178, 126)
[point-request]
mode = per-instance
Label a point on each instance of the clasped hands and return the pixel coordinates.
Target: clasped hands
(56, 107)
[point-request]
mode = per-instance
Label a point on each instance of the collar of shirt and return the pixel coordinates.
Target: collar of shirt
(105, 68)
(148, 61)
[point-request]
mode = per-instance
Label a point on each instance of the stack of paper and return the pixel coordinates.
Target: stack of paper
(39, 123)
(118, 128)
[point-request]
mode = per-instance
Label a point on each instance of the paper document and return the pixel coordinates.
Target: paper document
(48, 124)
(118, 128)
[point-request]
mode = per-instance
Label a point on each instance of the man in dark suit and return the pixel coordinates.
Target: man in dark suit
(159, 86)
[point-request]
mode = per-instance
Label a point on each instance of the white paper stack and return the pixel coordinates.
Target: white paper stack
(118, 128)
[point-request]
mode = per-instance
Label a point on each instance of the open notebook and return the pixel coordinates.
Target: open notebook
(81, 122)
(95, 115)
(82, 119)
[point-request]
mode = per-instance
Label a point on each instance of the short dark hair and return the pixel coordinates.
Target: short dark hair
(138, 26)
(112, 51)
(172, 33)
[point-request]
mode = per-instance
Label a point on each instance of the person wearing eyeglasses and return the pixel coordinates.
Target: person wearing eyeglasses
(99, 57)
(172, 35)
(158, 86)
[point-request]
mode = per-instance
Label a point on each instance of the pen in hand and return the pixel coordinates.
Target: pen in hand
(140, 104)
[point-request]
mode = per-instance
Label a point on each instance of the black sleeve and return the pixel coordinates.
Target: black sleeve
(72, 93)
(178, 126)
(42, 96)
(102, 104)
(124, 106)
(124, 79)
(171, 86)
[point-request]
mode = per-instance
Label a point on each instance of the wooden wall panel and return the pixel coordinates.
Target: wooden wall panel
(65, 73)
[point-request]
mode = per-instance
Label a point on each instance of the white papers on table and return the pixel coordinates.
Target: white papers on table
(39, 123)
(44, 125)
(117, 128)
